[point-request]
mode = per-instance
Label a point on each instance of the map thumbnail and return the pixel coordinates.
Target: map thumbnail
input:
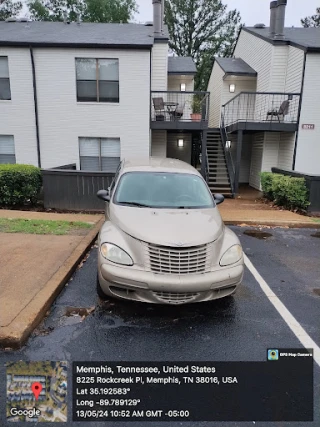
(37, 391)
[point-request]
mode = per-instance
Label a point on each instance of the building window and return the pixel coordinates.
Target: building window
(99, 154)
(97, 80)
(5, 92)
(7, 153)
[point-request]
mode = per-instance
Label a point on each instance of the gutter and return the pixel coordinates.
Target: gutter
(36, 113)
(299, 112)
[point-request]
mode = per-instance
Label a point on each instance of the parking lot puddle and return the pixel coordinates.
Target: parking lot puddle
(317, 291)
(262, 235)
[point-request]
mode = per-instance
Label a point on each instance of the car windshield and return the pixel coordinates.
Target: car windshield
(163, 190)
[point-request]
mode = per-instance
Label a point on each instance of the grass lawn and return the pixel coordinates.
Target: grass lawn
(316, 220)
(39, 226)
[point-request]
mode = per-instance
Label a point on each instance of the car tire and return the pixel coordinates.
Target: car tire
(100, 292)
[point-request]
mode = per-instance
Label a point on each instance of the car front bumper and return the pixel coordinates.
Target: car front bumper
(136, 285)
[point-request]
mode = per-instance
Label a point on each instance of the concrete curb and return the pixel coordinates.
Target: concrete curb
(16, 334)
(270, 223)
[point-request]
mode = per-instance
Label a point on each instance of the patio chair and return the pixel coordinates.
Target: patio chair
(178, 112)
(283, 110)
(159, 108)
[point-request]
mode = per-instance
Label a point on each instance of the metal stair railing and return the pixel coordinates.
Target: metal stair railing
(227, 155)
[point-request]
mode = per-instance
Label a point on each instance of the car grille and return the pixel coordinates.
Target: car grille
(175, 297)
(174, 260)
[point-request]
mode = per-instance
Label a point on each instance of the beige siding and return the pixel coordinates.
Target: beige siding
(278, 68)
(294, 70)
(159, 143)
(256, 160)
(174, 85)
(215, 87)
(159, 75)
(286, 150)
(270, 151)
(258, 54)
(17, 116)
(175, 152)
(308, 147)
(241, 86)
(63, 120)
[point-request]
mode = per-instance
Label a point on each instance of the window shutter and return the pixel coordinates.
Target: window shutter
(89, 154)
(6, 144)
(110, 154)
(110, 147)
(4, 69)
(89, 147)
(7, 152)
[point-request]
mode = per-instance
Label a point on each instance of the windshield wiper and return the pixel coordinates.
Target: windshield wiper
(140, 205)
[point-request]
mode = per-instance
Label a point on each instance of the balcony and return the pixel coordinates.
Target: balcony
(262, 111)
(179, 110)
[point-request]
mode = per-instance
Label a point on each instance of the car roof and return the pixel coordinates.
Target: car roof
(158, 164)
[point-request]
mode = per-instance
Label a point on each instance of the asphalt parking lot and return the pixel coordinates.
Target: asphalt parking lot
(239, 328)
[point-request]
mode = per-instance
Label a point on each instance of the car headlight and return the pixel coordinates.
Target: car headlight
(231, 256)
(115, 254)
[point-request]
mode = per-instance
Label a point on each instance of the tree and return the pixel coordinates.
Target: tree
(312, 21)
(201, 29)
(89, 10)
(9, 8)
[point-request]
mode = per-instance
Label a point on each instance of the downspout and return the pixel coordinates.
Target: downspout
(299, 112)
(36, 113)
(150, 108)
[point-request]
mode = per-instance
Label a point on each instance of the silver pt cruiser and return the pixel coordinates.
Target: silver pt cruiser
(163, 240)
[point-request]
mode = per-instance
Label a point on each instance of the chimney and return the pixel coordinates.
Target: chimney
(281, 16)
(273, 17)
(157, 13)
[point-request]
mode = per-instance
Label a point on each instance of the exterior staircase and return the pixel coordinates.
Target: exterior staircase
(218, 180)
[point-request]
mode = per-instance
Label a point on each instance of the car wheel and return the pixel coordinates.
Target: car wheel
(100, 292)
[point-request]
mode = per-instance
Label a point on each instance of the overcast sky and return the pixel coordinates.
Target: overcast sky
(251, 11)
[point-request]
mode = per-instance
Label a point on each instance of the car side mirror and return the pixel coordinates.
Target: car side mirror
(218, 198)
(103, 195)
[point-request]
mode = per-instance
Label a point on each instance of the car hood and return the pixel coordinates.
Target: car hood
(169, 227)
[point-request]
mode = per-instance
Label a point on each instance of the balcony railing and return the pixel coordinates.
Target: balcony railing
(262, 107)
(180, 106)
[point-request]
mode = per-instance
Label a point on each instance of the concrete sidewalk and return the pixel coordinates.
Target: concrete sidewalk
(249, 209)
(34, 269)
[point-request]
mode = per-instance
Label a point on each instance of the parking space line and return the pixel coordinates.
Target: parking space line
(293, 324)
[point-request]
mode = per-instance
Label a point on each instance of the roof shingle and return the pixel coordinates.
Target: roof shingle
(308, 38)
(181, 65)
(86, 34)
(236, 66)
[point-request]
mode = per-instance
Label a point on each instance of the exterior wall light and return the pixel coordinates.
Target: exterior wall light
(228, 145)
(180, 142)
(232, 88)
(183, 87)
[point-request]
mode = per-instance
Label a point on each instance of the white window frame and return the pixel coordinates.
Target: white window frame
(100, 140)
(97, 80)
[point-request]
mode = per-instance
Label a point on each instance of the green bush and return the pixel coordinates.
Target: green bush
(19, 184)
(286, 191)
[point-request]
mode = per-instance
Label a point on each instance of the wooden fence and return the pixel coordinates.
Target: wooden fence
(74, 190)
